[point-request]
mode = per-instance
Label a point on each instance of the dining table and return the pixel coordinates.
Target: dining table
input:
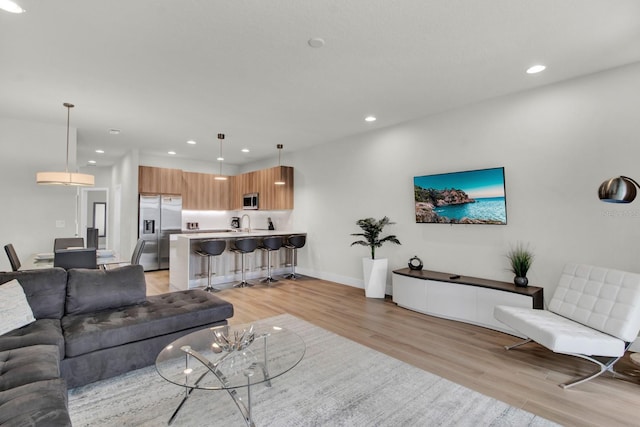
(104, 257)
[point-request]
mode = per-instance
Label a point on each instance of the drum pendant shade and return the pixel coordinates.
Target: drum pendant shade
(66, 177)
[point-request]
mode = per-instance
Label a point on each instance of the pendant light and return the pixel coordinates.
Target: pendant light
(66, 177)
(220, 159)
(280, 181)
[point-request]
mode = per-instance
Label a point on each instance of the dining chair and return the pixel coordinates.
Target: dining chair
(135, 257)
(13, 257)
(92, 237)
(75, 258)
(137, 252)
(67, 242)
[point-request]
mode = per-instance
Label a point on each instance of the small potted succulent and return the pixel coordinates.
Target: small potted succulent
(520, 258)
(375, 270)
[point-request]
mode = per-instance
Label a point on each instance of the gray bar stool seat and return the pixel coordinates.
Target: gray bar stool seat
(210, 249)
(270, 244)
(294, 242)
(244, 246)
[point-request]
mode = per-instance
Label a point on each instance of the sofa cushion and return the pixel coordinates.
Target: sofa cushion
(45, 289)
(14, 307)
(42, 331)
(93, 290)
(27, 365)
(158, 315)
(39, 404)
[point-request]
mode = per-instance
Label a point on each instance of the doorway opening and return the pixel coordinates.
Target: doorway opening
(94, 213)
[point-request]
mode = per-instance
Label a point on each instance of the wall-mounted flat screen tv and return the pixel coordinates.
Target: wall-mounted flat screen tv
(469, 197)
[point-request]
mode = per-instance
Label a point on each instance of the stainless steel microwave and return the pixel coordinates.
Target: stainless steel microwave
(250, 201)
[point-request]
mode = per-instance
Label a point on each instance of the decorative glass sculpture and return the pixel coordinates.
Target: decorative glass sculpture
(233, 340)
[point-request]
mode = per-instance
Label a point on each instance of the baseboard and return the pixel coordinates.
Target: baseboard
(332, 277)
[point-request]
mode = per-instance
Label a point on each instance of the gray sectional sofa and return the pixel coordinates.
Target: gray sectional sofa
(90, 325)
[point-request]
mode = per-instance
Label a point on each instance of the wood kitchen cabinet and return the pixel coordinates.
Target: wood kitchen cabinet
(271, 196)
(275, 197)
(201, 191)
(153, 180)
(240, 185)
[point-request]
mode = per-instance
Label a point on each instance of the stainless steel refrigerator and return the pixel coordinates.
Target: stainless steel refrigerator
(160, 216)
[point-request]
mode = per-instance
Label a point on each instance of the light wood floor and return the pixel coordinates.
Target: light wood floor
(526, 377)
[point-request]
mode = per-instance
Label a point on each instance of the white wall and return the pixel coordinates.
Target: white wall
(123, 196)
(557, 145)
(30, 211)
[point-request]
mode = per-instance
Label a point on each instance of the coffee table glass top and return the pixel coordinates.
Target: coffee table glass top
(197, 360)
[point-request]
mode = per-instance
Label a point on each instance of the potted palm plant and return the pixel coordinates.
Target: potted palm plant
(375, 270)
(520, 258)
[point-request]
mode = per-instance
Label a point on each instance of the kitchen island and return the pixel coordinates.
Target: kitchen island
(188, 270)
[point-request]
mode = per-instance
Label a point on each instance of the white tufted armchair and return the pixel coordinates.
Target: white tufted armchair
(594, 312)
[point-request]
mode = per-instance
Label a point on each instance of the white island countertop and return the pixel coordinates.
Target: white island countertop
(237, 234)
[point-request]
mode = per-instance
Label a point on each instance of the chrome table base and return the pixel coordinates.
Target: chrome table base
(245, 410)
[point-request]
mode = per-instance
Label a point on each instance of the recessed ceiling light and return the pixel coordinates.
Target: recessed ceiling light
(114, 131)
(245, 150)
(171, 152)
(536, 69)
(92, 162)
(370, 119)
(191, 142)
(10, 6)
(316, 42)
(220, 159)
(100, 151)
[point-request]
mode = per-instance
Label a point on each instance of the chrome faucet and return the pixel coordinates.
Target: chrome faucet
(248, 222)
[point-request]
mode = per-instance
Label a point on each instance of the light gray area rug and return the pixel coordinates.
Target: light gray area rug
(337, 383)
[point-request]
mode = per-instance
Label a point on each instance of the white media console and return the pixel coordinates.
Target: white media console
(466, 299)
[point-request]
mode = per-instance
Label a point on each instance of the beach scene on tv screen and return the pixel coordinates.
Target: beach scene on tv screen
(469, 197)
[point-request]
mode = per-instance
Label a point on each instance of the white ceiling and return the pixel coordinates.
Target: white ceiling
(167, 71)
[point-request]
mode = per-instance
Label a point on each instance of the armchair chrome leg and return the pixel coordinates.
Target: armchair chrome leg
(580, 380)
(509, 347)
(626, 377)
(604, 367)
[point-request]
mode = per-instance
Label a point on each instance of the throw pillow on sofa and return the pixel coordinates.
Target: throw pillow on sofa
(15, 310)
(94, 290)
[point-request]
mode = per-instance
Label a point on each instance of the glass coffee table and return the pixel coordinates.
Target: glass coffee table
(230, 358)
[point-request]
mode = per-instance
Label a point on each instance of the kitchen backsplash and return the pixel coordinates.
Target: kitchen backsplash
(210, 220)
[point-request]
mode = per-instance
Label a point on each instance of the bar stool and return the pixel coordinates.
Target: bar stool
(209, 249)
(270, 244)
(294, 242)
(244, 246)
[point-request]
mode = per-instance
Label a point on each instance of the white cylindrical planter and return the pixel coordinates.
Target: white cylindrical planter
(375, 277)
